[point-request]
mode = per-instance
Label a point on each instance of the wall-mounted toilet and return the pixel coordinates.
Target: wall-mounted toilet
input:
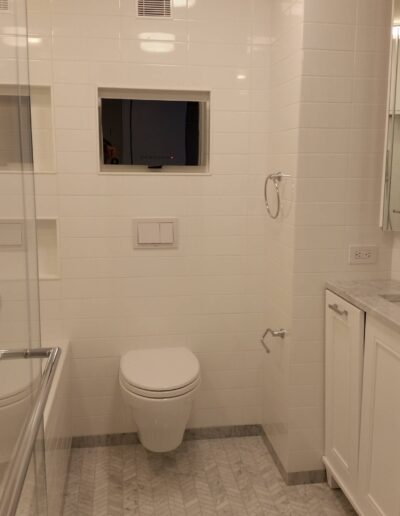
(159, 386)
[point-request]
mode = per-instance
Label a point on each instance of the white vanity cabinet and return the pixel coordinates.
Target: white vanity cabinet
(379, 478)
(362, 428)
(343, 379)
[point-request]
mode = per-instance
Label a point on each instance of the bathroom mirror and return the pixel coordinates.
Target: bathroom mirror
(391, 188)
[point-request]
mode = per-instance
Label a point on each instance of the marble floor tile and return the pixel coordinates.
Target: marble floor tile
(231, 477)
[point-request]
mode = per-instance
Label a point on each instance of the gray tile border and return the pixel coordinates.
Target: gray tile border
(297, 477)
(222, 432)
(215, 432)
(95, 441)
(306, 477)
(191, 434)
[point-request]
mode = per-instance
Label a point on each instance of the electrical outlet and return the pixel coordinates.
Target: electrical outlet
(359, 255)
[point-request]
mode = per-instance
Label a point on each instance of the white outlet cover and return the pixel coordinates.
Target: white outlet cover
(363, 254)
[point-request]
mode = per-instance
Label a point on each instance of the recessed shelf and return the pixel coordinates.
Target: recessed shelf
(47, 237)
(42, 129)
(16, 103)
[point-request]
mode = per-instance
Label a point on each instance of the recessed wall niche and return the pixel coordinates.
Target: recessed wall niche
(26, 107)
(47, 237)
(13, 235)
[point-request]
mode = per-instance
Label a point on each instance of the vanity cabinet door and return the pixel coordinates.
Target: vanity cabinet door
(344, 351)
(380, 423)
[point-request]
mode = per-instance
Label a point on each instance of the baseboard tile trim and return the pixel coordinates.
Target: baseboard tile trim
(191, 434)
(297, 477)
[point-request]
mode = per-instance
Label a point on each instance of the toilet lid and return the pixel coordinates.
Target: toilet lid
(159, 369)
(156, 395)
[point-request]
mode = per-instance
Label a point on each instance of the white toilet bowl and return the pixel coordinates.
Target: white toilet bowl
(159, 386)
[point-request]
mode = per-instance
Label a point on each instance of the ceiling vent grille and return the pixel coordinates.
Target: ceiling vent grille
(153, 8)
(4, 5)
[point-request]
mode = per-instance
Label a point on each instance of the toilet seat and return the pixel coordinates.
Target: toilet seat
(146, 393)
(159, 373)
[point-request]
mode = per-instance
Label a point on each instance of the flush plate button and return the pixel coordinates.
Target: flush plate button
(155, 233)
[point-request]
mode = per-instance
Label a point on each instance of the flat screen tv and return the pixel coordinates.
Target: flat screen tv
(152, 133)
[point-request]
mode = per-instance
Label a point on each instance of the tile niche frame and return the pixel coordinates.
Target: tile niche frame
(156, 94)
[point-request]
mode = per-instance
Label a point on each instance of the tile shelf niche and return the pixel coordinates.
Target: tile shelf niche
(42, 127)
(47, 237)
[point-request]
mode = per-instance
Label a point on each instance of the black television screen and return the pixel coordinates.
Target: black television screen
(153, 133)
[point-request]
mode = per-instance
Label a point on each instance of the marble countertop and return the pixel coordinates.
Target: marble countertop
(367, 295)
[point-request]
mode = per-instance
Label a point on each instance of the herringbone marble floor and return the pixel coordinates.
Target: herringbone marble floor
(233, 476)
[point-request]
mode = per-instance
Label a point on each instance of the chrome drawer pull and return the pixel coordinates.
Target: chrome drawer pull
(336, 309)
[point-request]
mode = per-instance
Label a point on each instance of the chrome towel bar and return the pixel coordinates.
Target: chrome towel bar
(19, 463)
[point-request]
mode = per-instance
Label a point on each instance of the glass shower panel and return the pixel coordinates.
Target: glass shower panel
(19, 290)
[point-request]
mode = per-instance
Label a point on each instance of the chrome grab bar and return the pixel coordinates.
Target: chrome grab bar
(16, 473)
(275, 333)
(275, 178)
(337, 310)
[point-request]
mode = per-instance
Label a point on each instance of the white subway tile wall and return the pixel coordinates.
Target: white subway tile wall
(296, 86)
(353, 32)
(283, 140)
(337, 130)
(209, 294)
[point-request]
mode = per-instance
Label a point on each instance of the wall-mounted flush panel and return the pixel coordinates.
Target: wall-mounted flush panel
(363, 254)
(11, 235)
(152, 233)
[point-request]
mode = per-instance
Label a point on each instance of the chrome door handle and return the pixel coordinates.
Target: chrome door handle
(275, 333)
(336, 309)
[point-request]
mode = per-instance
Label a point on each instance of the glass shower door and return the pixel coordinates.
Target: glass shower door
(19, 290)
